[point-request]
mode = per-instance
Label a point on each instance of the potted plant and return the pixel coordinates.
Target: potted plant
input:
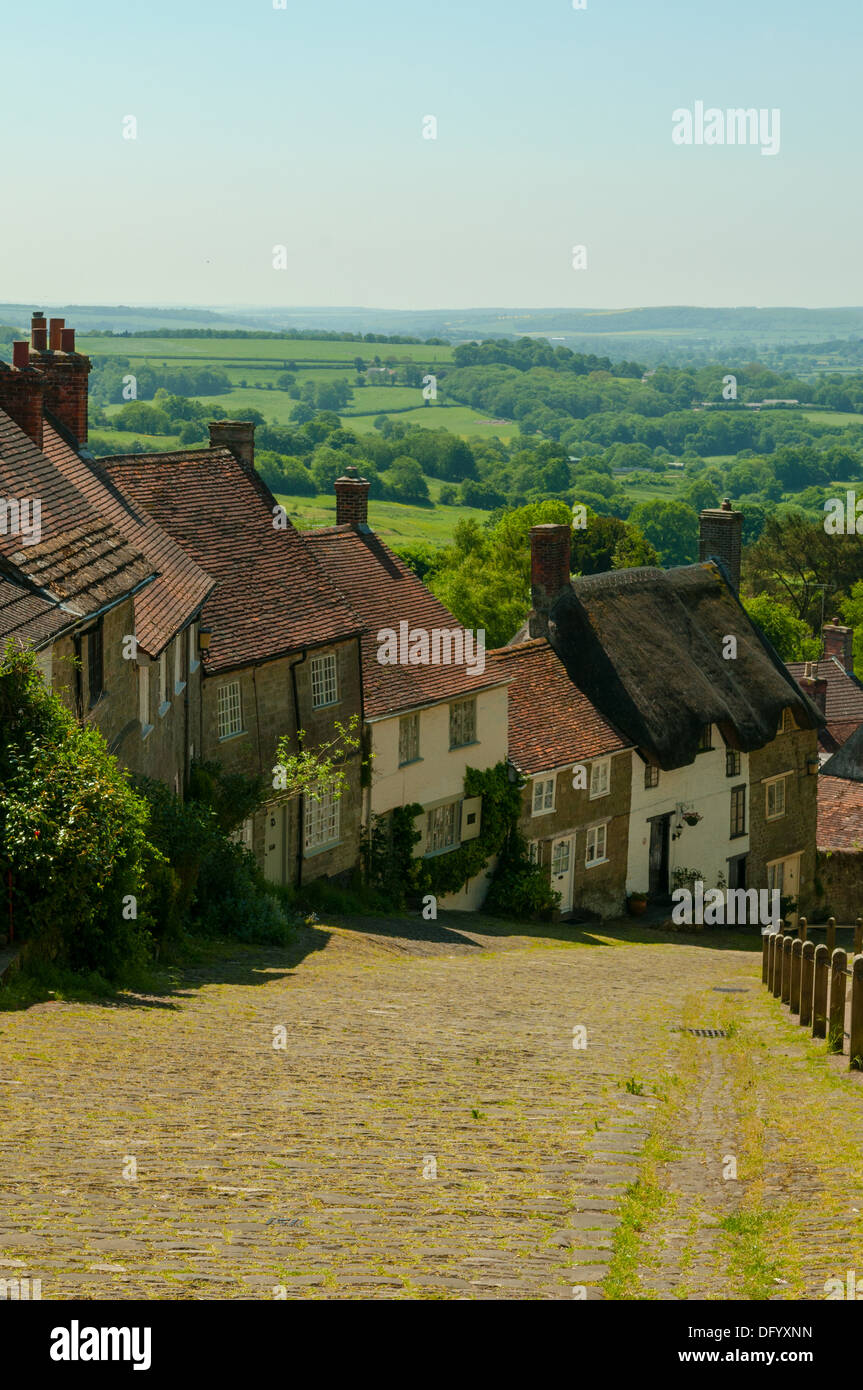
(636, 904)
(691, 817)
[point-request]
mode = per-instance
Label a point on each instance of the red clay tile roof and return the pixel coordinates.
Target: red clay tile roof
(385, 592)
(840, 814)
(271, 596)
(167, 605)
(81, 559)
(551, 723)
(844, 696)
(27, 615)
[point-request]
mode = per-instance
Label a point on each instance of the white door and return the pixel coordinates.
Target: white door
(784, 874)
(561, 871)
(274, 843)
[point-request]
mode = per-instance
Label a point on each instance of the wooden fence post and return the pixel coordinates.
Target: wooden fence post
(776, 982)
(831, 935)
(819, 992)
(796, 950)
(858, 936)
(807, 971)
(765, 957)
(802, 928)
(856, 1048)
(786, 970)
(836, 1022)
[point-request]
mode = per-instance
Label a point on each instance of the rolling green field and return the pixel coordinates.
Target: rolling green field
(276, 351)
(397, 523)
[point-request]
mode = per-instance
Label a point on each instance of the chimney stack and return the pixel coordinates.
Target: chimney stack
(64, 373)
(21, 393)
(814, 686)
(550, 552)
(839, 642)
(720, 538)
(352, 498)
(239, 437)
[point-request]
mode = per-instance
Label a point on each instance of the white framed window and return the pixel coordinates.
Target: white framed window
(409, 739)
(462, 722)
(776, 875)
(651, 777)
(243, 833)
(164, 702)
(774, 798)
(194, 663)
(325, 681)
(543, 795)
(595, 848)
(443, 827)
(786, 722)
(561, 857)
(321, 814)
(230, 709)
(144, 699)
(600, 777)
(179, 682)
(534, 851)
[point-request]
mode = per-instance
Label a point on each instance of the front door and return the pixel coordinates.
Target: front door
(658, 861)
(784, 874)
(274, 843)
(561, 871)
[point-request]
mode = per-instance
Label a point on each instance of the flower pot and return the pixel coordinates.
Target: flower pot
(636, 906)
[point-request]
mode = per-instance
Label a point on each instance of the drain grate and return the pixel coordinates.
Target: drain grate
(730, 989)
(701, 1032)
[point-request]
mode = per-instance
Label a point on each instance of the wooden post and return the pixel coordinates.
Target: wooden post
(819, 992)
(796, 950)
(802, 928)
(858, 936)
(831, 935)
(856, 1048)
(807, 972)
(836, 1019)
(786, 970)
(765, 958)
(776, 982)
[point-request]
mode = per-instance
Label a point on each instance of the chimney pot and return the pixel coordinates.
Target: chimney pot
(720, 537)
(21, 354)
(239, 437)
(352, 498)
(55, 327)
(67, 340)
(550, 554)
(839, 643)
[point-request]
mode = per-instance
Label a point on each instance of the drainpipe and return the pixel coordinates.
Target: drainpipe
(79, 680)
(300, 812)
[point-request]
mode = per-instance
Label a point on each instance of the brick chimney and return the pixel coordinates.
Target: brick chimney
(239, 437)
(64, 372)
(550, 552)
(814, 686)
(720, 537)
(21, 390)
(352, 498)
(839, 642)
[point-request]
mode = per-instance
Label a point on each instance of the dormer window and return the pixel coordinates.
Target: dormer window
(705, 743)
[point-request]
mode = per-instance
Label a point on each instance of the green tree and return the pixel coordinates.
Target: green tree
(670, 527)
(789, 634)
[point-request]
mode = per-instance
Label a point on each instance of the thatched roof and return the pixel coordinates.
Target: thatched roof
(646, 647)
(848, 761)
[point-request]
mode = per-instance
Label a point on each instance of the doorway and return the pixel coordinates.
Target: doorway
(658, 857)
(275, 836)
(561, 871)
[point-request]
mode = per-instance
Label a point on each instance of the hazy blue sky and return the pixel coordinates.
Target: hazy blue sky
(303, 127)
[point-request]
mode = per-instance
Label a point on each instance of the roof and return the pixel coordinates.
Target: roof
(28, 615)
(848, 761)
(840, 814)
(385, 593)
(271, 597)
(81, 559)
(166, 605)
(646, 647)
(551, 722)
(843, 703)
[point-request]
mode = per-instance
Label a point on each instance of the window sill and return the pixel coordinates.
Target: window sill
(330, 704)
(179, 687)
(595, 863)
(456, 747)
(434, 853)
(226, 738)
(146, 730)
(597, 796)
(320, 849)
(739, 835)
(163, 708)
(546, 811)
(193, 666)
(780, 816)
(410, 762)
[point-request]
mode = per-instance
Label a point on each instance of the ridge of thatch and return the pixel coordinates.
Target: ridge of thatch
(847, 761)
(645, 645)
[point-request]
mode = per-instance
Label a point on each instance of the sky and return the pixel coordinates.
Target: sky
(303, 128)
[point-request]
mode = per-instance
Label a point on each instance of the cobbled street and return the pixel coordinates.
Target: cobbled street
(432, 1126)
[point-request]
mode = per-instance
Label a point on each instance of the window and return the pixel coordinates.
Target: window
(595, 853)
(561, 856)
(776, 875)
(164, 704)
(651, 777)
(409, 739)
(443, 827)
(321, 816)
(95, 664)
(534, 851)
(738, 811)
(462, 723)
(144, 699)
(194, 663)
(243, 834)
(705, 743)
(325, 683)
(774, 799)
(543, 795)
(732, 763)
(179, 683)
(599, 777)
(230, 710)
(786, 722)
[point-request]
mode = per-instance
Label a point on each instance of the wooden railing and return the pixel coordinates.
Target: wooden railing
(813, 981)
